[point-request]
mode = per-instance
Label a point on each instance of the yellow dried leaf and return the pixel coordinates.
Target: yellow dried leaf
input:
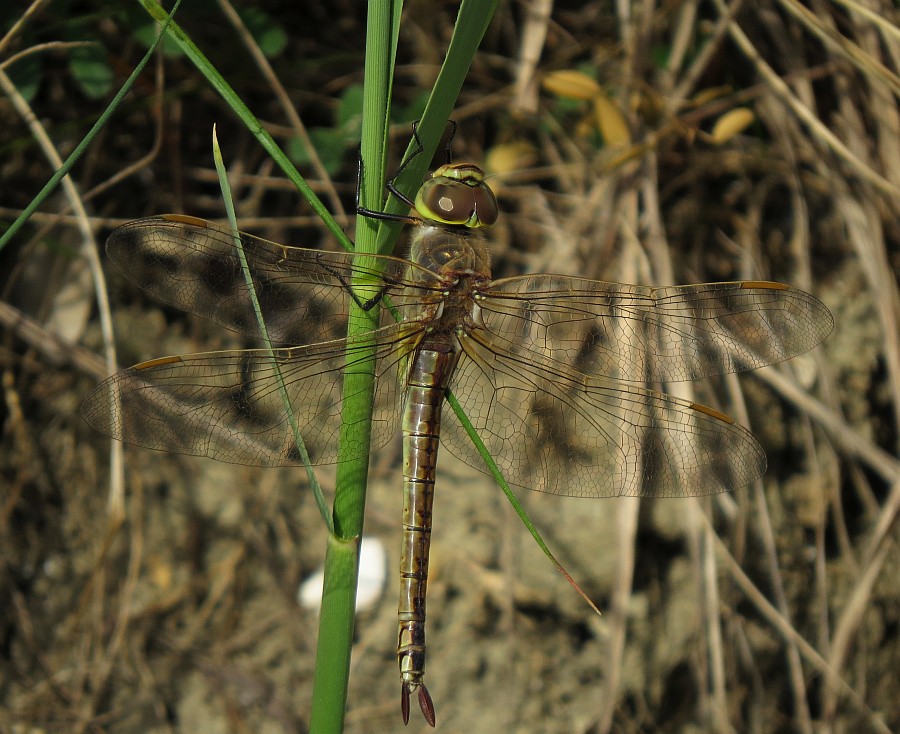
(611, 122)
(508, 157)
(730, 124)
(571, 84)
(160, 573)
(709, 94)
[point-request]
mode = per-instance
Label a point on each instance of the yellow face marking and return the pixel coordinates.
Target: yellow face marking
(159, 362)
(711, 412)
(184, 219)
(468, 173)
(765, 285)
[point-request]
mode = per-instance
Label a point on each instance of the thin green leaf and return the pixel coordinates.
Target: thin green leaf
(264, 333)
(510, 495)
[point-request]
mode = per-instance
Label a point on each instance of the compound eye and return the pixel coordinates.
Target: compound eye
(457, 195)
(486, 206)
(450, 202)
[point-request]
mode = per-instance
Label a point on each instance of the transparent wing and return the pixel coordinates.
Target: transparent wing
(638, 333)
(554, 430)
(227, 405)
(304, 294)
(537, 379)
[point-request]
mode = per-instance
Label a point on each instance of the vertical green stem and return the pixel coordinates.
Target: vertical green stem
(342, 557)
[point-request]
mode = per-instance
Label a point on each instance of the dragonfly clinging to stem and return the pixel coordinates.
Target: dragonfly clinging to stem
(550, 369)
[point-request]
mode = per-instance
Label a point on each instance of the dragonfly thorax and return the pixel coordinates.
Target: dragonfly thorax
(452, 252)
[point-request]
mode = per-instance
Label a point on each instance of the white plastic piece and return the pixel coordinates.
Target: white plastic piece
(372, 575)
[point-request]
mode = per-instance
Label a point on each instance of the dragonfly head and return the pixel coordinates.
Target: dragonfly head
(457, 194)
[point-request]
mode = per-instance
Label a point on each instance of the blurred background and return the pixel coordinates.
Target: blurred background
(642, 142)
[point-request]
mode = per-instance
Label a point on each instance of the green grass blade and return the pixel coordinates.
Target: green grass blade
(264, 333)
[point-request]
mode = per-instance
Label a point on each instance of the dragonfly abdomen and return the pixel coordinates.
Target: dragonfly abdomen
(429, 375)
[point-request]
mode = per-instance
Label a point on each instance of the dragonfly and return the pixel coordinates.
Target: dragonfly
(551, 370)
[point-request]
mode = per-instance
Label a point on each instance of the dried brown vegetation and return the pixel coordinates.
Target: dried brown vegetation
(168, 603)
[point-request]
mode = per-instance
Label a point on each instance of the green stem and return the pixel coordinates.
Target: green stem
(342, 557)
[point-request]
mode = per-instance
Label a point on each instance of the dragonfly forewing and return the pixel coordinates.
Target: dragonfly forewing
(305, 295)
(639, 334)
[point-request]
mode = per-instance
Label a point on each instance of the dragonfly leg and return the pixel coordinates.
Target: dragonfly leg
(374, 213)
(364, 305)
(425, 702)
(391, 185)
(420, 147)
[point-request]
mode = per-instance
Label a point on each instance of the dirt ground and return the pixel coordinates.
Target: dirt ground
(774, 608)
